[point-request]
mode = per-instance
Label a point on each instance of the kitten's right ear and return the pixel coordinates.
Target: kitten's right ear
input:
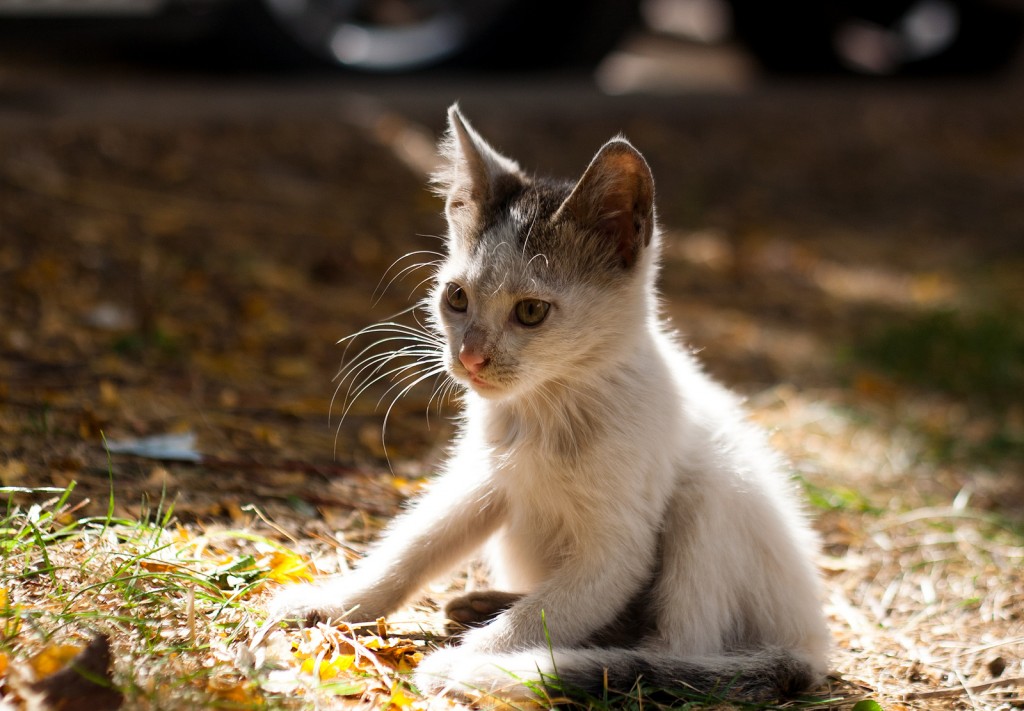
(474, 178)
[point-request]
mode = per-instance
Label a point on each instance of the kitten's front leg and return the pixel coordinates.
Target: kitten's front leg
(443, 527)
(327, 600)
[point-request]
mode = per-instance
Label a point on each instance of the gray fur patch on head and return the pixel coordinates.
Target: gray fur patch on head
(601, 222)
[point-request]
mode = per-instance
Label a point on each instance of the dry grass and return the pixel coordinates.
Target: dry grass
(925, 591)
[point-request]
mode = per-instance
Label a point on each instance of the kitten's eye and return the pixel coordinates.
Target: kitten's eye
(456, 297)
(530, 312)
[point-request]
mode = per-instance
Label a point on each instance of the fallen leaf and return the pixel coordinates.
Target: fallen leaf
(54, 658)
(399, 698)
(327, 668)
(287, 567)
(401, 654)
(343, 662)
(82, 684)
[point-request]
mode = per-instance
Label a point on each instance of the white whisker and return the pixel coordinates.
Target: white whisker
(438, 370)
(378, 292)
(375, 378)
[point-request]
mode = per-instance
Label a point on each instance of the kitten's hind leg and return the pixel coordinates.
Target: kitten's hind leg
(477, 608)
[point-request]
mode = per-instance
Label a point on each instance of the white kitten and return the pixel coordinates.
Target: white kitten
(637, 525)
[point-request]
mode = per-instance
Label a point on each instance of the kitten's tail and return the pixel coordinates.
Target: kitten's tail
(759, 676)
(764, 675)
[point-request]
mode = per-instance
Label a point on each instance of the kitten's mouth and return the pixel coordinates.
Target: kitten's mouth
(475, 381)
(480, 385)
(479, 382)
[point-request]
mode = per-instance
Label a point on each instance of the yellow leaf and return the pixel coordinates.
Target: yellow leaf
(328, 668)
(327, 671)
(343, 662)
(288, 567)
(399, 698)
(54, 658)
(4, 663)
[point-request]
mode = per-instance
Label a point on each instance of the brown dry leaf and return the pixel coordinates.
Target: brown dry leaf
(157, 566)
(400, 654)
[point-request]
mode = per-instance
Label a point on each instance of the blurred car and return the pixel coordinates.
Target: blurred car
(363, 35)
(879, 37)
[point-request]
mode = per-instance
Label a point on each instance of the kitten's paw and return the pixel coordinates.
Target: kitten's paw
(477, 608)
(306, 604)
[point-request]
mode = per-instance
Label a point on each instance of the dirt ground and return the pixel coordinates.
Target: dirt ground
(183, 257)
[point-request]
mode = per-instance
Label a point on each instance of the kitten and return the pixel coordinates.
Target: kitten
(636, 525)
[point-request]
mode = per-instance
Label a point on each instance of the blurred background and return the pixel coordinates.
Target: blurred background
(877, 37)
(198, 198)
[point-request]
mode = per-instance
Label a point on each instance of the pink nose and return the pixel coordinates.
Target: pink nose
(471, 359)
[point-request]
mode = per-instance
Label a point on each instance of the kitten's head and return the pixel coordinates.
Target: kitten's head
(545, 281)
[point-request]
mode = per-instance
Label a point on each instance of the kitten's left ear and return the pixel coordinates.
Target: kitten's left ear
(475, 178)
(615, 199)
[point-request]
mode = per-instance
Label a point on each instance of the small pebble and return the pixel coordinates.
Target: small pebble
(997, 666)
